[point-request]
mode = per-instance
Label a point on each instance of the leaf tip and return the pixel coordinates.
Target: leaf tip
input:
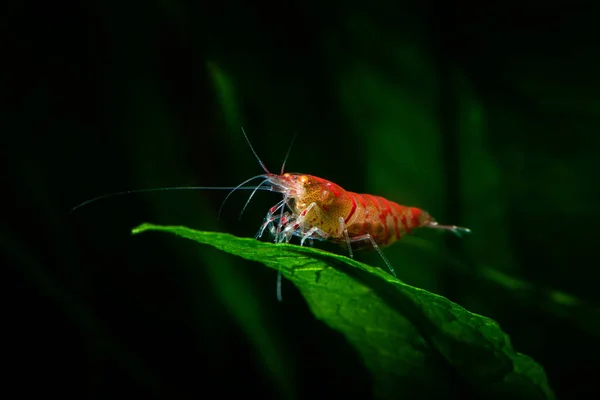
(141, 228)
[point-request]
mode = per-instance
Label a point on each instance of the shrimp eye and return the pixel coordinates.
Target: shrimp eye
(286, 175)
(303, 179)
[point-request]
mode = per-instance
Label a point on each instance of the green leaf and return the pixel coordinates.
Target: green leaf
(415, 343)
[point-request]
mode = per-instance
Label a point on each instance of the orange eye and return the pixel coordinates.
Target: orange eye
(303, 179)
(286, 175)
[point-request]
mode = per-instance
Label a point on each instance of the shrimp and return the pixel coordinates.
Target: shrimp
(322, 210)
(314, 208)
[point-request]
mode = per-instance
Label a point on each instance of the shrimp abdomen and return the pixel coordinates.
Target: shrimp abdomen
(385, 220)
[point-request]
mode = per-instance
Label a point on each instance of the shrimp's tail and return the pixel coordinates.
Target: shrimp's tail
(457, 230)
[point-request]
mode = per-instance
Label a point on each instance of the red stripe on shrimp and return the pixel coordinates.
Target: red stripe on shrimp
(416, 216)
(353, 208)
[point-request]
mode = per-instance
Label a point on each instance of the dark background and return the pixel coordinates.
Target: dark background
(485, 116)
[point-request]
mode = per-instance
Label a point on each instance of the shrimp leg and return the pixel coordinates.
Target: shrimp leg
(344, 230)
(309, 234)
(269, 219)
(295, 228)
(360, 238)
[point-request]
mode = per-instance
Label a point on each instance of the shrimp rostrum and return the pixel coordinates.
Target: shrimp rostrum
(313, 208)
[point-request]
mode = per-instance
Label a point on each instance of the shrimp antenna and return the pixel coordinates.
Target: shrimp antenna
(289, 150)
(240, 187)
(163, 189)
(232, 189)
(250, 198)
(254, 152)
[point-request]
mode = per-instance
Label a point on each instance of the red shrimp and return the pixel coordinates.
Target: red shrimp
(318, 209)
(314, 208)
(322, 210)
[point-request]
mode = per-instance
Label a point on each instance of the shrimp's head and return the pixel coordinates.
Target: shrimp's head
(292, 186)
(329, 200)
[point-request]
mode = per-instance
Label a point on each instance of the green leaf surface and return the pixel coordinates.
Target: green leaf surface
(414, 342)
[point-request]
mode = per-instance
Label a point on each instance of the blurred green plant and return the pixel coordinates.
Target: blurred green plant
(413, 341)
